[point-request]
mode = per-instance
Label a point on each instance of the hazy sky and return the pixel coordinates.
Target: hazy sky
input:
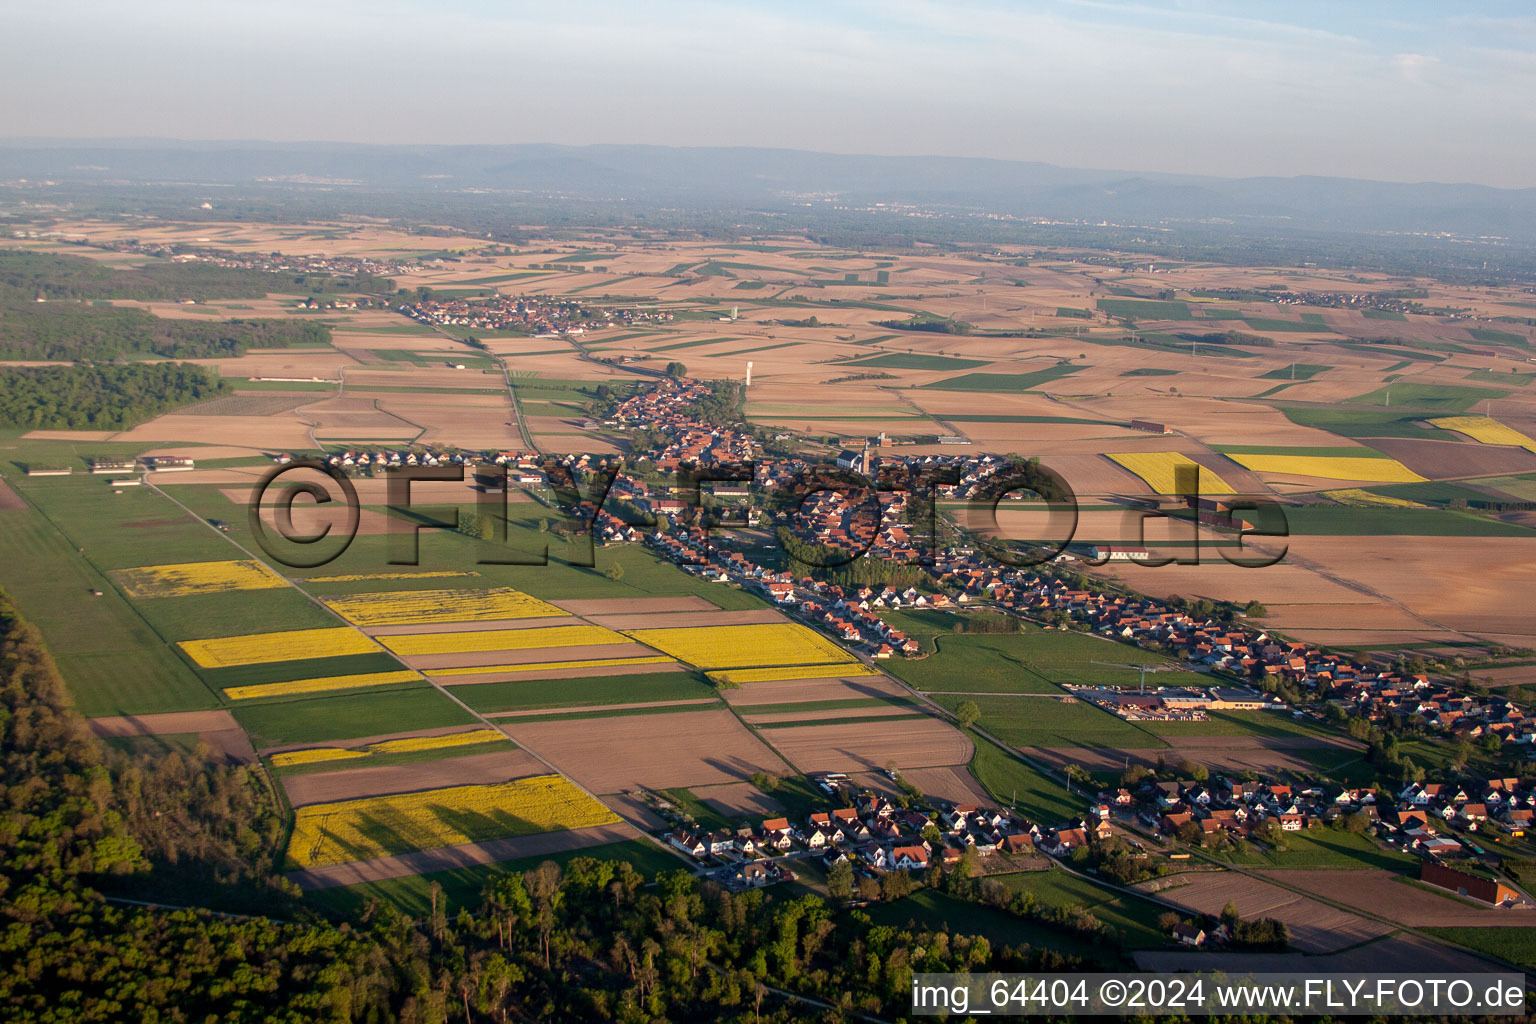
(1402, 90)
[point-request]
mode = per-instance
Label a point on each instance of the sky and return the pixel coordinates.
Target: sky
(1400, 91)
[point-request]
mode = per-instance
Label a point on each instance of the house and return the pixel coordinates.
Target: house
(1189, 934)
(687, 842)
(909, 858)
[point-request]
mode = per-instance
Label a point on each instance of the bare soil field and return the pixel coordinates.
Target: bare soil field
(1315, 927)
(252, 403)
(275, 433)
(1441, 460)
(739, 801)
(471, 627)
(818, 715)
(218, 729)
(583, 709)
(686, 748)
(571, 672)
(445, 858)
(164, 724)
(352, 783)
(1381, 892)
(1425, 956)
(952, 784)
(858, 746)
(1261, 759)
(10, 501)
(633, 605)
(428, 663)
(798, 691)
(672, 620)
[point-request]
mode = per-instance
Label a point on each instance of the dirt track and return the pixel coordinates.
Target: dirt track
(468, 855)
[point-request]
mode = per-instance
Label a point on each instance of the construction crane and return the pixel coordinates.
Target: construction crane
(1144, 669)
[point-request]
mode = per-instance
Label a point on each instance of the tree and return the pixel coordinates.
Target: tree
(676, 369)
(895, 885)
(968, 713)
(615, 572)
(840, 881)
(1191, 833)
(1167, 921)
(765, 782)
(1255, 610)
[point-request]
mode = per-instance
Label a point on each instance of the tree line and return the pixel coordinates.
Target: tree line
(24, 276)
(100, 397)
(73, 331)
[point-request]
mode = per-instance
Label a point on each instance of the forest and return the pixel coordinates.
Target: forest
(100, 397)
(75, 331)
(27, 276)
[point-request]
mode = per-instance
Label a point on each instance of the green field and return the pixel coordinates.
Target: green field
(401, 757)
(1024, 721)
(349, 716)
(1361, 422)
(1511, 379)
(1002, 382)
(1296, 371)
(1517, 945)
(1438, 398)
(533, 694)
(1074, 313)
(1383, 314)
(917, 361)
(1343, 521)
(1031, 662)
(1323, 847)
(1272, 325)
(1150, 371)
(1244, 723)
(112, 661)
(1012, 783)
(1145, 309)
(1337, 452)
(1499, 337)
(1135, 919)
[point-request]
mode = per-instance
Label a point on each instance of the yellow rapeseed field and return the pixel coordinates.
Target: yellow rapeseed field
(454, 739)
(313, 755)
(289, 645)
(781, 643)
(408, 607)
(1486, 430)
(319, 685)
(1381, 471)
(549, 666)
(352, 830)
(186, 578)
(768, 675)
(358, 577)
(410, 644)
(1157, 469)
(1356, 496)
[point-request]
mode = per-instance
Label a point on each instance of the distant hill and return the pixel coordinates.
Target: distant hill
(765, 178)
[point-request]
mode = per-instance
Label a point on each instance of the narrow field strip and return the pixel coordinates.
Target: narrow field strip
(480, 670)
(717, 647)
(320, 685)
(1373, 470)
(416, 644)
(772, 675)
(425, 607)
(1158, 470)
(261, 648)
(187, 578)
(356, 830)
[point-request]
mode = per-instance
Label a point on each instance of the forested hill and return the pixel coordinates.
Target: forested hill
(100, 397)
(77, 331)
(27, 276)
